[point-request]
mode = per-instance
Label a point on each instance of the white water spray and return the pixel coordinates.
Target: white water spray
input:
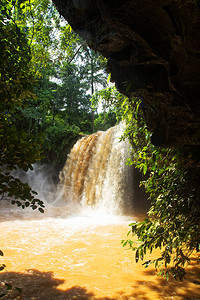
(96, 173)
(95, 179)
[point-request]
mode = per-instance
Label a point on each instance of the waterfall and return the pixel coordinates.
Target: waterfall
(95, 179)
(96, 173)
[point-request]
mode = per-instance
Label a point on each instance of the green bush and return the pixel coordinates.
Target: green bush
(58, 138)
(173, 222)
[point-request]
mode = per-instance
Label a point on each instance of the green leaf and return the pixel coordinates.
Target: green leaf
(109, 78)
(167, 275)
(2, 267)
(137, 255)
(145, 169)
(146, 263)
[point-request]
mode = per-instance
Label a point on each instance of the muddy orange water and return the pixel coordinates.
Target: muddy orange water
(80, 257)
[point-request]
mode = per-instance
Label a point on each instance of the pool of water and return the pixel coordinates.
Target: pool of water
(80, 257)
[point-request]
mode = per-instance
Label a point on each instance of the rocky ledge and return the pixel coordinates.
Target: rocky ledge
(153, 52)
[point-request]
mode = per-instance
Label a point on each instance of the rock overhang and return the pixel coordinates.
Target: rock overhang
(154, 48)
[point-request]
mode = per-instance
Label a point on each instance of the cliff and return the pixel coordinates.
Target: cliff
(153, 52)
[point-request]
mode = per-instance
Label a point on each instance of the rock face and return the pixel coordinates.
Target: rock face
(153, 51)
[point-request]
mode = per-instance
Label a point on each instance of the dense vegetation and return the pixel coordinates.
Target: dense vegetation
(173, 222)
(172, 184)
(48, 77)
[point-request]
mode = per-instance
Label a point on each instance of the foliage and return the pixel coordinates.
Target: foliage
(173, 222)
(8, 286)
(18, 148)
(44, 97)
(73, 98)
(44, 102)
(93, 67)
(110, 99)
(2, 266)
(58, 137)
(104, 120)
(40, 22)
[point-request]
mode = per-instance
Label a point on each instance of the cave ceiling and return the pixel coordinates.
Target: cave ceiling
(153, 52)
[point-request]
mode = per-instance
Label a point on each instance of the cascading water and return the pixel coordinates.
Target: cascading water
(96, 173)
(95, 178)
(71, 252)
